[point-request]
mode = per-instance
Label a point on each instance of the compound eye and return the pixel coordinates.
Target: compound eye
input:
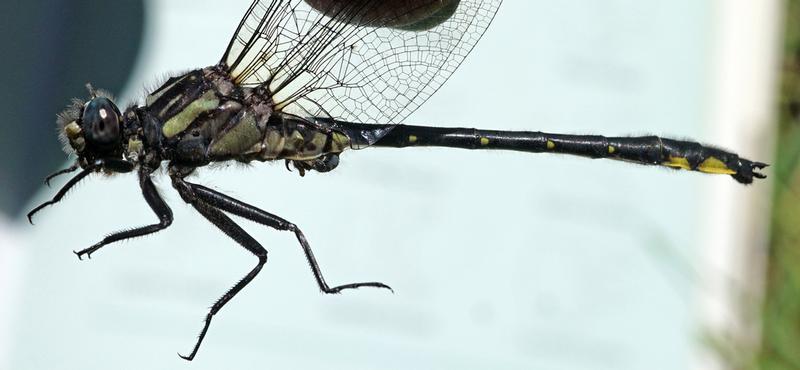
(100, 122)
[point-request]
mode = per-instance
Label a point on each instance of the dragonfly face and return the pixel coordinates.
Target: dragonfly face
(94, 132)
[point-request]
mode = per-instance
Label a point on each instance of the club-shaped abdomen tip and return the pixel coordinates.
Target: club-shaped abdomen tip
(759, 166)
(748, 171)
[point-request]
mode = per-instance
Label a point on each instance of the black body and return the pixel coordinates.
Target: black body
(647, 150)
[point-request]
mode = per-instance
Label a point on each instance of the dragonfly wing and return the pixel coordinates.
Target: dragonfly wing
(354, 60)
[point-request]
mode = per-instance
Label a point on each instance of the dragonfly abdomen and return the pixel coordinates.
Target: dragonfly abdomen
(650, 150)
(294, 138)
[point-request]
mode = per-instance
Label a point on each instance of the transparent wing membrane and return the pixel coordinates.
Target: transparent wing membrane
(356, 60)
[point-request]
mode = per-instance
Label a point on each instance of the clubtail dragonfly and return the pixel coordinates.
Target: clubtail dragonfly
(303, 81)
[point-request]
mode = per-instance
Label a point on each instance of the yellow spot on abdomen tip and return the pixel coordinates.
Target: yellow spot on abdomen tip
(412, 139)
(484, 141)
(678, 162)
(551, 145)
(611, 149)
(714, 165)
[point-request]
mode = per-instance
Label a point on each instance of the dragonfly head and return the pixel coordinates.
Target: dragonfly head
(92, 129)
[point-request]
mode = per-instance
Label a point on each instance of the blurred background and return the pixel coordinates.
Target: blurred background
(498, 260)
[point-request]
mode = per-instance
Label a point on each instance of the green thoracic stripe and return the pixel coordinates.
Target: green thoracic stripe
(239, 138)
(158, 94)
(184, 118)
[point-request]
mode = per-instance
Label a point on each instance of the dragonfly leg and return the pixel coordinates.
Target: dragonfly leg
(159, 207)
(230, 228)
(63, 191)
(244, 210)
(69, 169)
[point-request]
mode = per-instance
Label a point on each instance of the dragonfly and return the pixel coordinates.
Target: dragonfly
(304, 81)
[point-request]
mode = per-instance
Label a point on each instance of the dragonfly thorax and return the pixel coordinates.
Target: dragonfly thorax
(202, 117)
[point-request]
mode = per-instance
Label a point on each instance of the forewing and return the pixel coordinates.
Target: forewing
(372, 61)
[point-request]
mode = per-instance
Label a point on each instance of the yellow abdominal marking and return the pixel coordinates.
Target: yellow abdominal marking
(184, 118)
(551, 145)
(316, 145)
(484, 141)
(412, 139)
(273, 143)
(611, 149)
(339, 142)
(678, 162)
(714, 165)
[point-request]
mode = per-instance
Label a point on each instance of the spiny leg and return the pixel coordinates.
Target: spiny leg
(236, 233)
(242, 209)
(159, 207)
(113, 164)
(69, 169)
(63, 191)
